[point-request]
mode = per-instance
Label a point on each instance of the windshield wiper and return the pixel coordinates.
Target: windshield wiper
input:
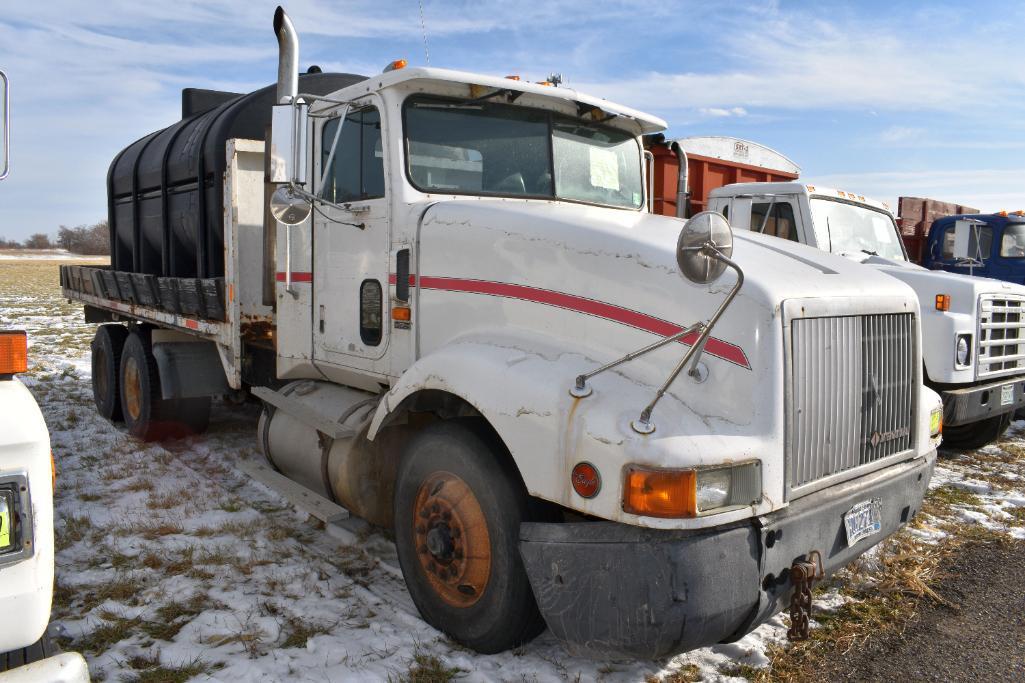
(871, 253)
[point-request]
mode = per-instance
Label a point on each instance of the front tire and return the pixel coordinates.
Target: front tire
(458, 509)
(107, 347)
(976, 434)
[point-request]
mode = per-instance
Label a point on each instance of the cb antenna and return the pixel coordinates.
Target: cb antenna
(423, 27)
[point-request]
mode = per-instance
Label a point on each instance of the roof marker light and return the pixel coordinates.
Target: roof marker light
(396, 65)
(811, 188)
(513, 78)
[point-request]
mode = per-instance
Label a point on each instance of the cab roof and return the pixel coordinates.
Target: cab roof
(811, 190)
(646, 122)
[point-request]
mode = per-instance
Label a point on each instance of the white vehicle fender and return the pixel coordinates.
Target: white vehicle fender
(521, 387)
(501, 380)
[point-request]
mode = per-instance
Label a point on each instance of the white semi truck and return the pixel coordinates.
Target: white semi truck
(973, 328)
(465, 326)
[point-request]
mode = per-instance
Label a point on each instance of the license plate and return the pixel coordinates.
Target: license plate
(863, 520)
(1007, 394)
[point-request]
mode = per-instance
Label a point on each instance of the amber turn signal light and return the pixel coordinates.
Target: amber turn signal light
(401, 313)
(942, 302)
(13, 352)
(660, 492)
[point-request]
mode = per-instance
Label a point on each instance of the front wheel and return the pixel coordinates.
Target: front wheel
(976, 434)
(458, 509)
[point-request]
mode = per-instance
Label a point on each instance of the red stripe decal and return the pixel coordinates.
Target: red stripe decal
(715, 347)
(297, 276)
(191, 324)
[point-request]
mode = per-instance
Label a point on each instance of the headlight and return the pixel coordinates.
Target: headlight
(936, 422)
(658, 492)
(963, 350)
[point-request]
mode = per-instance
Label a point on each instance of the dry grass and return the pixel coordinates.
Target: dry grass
(428, 668)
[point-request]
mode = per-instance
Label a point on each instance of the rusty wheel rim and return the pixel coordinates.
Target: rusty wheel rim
(452, 540)
(133, 389)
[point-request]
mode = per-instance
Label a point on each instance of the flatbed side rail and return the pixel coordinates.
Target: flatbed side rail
(211, 329)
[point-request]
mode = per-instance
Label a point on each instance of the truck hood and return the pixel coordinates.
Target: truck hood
(964, 290)
(630, 256)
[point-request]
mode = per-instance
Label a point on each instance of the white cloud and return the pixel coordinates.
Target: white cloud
(902, 135)
(720, 112)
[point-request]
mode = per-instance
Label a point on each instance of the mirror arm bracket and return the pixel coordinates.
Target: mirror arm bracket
(644, 425)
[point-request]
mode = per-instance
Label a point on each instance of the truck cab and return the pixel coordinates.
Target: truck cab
(633, 429)
(994, 246)
(971, 326)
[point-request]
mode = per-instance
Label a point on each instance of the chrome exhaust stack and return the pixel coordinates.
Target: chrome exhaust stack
(288, 57)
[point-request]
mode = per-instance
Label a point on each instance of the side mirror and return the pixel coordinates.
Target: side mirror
(288, 207)
(289, 126)
(702, 235)
(5, 125)
(962, 238)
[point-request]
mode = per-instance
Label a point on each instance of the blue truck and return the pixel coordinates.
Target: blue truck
(993, 245)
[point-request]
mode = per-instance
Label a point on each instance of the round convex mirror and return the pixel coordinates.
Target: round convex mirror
(288, 207)
(707, 227)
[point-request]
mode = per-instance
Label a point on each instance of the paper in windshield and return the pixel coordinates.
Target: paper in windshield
(604, 169)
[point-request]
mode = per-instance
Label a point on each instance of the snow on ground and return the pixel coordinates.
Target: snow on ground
(46, 255)
(170, 556)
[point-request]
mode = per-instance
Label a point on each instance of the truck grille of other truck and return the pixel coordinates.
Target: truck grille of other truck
(852, 382)
(1001, 346)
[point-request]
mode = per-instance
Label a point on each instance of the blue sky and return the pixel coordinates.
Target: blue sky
(880, 98)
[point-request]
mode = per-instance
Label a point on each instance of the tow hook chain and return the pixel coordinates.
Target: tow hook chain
(803, 575)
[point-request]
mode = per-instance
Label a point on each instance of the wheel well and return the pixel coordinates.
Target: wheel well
(426, 406)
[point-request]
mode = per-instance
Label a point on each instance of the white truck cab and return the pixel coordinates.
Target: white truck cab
(636, 430)
(26, 531)
(972, 328)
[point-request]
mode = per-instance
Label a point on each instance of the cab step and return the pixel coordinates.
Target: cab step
(303, 498)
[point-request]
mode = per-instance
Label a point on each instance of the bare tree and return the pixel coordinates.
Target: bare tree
(38, 241)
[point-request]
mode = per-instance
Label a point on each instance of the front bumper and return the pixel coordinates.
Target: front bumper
(971, 404)
(608, 589)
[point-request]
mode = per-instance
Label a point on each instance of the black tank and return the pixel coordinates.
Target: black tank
(165, 192)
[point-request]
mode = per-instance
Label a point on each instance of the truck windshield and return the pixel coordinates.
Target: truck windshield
(856, 229)
(483, 148)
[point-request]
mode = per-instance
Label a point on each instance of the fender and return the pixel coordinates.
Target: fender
(521, 387)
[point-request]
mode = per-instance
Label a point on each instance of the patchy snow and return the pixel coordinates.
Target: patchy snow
(46, 255)
(170, 554)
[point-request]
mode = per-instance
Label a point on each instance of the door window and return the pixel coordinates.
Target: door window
(980, 248)
(779, 223)
(356, 170)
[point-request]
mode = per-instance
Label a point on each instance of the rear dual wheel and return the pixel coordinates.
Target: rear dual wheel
(106, 347)
(147, 415)
(458, 509)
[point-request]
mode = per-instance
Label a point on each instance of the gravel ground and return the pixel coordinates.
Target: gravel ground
(980, 636)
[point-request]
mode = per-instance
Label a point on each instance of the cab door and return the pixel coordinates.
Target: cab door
(351, 240)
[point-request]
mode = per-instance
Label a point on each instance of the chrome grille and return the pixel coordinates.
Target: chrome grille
(852, 381)
(1001, 346)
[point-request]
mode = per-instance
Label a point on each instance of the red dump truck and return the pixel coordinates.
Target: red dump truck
(916, 215)
(709, 161)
